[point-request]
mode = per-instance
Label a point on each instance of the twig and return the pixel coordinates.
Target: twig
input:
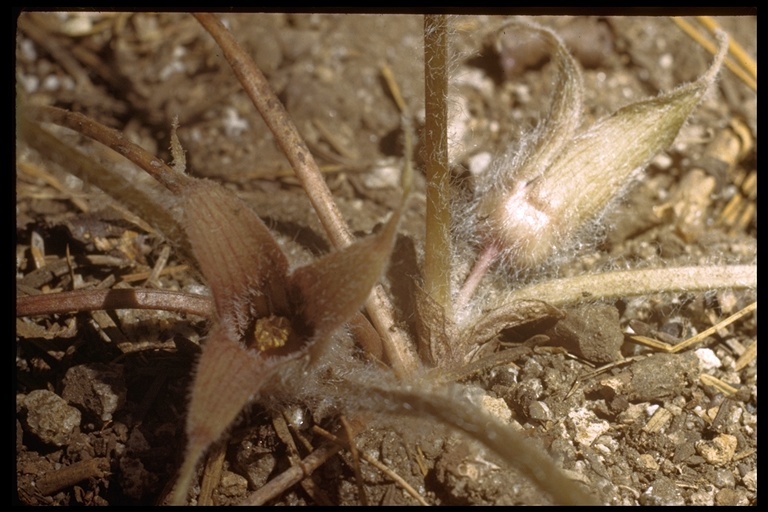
(355, 461)
(292, 475)
(674, 349)
(375, 463)
(67, 476)
(214, 466)
(118, 298)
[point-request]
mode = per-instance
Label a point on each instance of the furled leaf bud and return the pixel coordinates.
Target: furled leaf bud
(540, 198)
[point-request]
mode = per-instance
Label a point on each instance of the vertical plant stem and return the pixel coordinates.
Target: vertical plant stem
(437, 248)
(397, 347)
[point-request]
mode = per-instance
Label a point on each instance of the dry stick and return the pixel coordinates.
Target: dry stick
(293, 475)
(355, 461)
(683, 345)
(396, 345)
(118, 298)
(437, 243)
(374, 462)
(54, 481)
(214, 467)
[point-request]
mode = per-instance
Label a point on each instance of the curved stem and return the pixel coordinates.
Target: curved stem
(609, 285)
(171, 179)
(480, 268)
(120, 298)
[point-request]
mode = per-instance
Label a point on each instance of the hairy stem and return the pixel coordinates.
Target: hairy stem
(437, 244)
(610, 285)
(515, 448)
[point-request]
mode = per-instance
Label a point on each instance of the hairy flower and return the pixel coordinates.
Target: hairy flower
(539, 198)
(266, 316)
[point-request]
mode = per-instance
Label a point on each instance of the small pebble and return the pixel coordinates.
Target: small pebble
(50, 418)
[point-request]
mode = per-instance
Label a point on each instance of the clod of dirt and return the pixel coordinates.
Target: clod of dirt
(587, 426)
(591, 331)
(719, 451)
(656, 377)
(231, 489)
(99, 389)
(662, 491)
(49, 417)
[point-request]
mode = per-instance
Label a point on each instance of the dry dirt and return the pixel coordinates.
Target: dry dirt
(100, 397)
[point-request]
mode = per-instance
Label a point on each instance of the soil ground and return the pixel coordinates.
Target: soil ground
(101, 396)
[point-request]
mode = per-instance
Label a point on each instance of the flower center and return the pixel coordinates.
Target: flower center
(270, 332)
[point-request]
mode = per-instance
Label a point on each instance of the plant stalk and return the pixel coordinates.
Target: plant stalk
(627, 283)
(437, 245)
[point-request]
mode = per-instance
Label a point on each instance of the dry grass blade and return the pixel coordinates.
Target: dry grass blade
(673, 349)
(745, 69)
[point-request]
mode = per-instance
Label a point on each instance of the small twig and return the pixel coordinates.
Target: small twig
(355, 461)
(308, 484)
(375, 463)
(214, 466)
(160, 264)
(41, 173)
(54, 481)
(674, 349)
(292, 475)
(723, 387)
(118, 298)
